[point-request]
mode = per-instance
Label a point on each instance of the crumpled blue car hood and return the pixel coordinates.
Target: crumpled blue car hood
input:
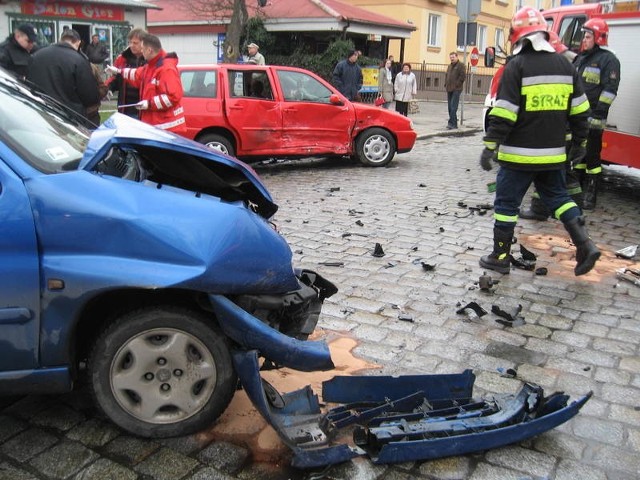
(175, 232)
(121, 129)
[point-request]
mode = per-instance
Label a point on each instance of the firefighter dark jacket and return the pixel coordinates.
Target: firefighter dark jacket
(600, 72)
(539, 93)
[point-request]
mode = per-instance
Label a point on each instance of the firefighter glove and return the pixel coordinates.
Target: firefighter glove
(487, 158)
(596, 123)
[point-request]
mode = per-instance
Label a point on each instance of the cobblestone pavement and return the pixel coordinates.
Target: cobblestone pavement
(580, 334)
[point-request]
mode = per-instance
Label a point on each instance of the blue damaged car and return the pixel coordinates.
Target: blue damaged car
(144, 256)
(148, 263)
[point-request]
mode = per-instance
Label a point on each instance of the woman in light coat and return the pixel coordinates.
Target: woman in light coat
(385, 83)
(405, 87)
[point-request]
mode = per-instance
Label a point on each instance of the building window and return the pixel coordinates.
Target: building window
(499, 40)
(433, 36)
(481, 42)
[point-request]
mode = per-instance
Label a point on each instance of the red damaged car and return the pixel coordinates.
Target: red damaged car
(256, 112)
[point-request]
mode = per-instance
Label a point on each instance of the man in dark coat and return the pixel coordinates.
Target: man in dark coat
(347, 76)
(64, 73)
(16, 50)
(96, 51)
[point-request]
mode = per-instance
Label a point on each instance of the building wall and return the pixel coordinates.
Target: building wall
(494, 15)
(191, 47)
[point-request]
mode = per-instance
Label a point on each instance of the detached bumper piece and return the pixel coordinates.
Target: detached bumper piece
(400, 419)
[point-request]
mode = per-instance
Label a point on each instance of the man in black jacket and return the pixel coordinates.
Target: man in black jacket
(16, 50)
(347, 76)
(63, 73)
(96, 51)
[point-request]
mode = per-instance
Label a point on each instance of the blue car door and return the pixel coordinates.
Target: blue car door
(19, 276)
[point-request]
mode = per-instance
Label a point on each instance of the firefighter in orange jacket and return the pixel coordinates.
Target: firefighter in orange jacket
(160, 86)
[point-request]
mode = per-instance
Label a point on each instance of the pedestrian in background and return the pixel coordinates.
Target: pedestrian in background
(254, 55)
(600, 72)
(130, 58)
(405, 88)
(385, 83)
(159, 84)
(64, 73)
(540, 93)
(453, 82)
(395, 68)
(347, 76)
(16, 50)
(96, 51)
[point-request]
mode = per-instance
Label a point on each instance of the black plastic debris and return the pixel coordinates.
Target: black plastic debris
(507, 372)
(461, 204)
(353, 211)
(441, 229)
(508, 319)
(334, 189)
(486, 283)
(477, 309)
(359, 223)
(299, 252)
(390, 265)
(427, 267)
(541, 271)
(332, 264)
(422, 185)
(378, 251)
(405, 317)
(526, 260)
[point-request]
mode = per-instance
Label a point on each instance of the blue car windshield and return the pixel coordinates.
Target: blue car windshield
(39, 130)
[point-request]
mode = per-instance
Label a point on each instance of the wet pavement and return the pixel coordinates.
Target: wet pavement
(579, 334)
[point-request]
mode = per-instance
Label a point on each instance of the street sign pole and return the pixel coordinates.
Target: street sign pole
(467, 11)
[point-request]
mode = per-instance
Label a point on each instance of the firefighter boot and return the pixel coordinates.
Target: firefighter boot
(590, 192)
(537, 211)
(587, 254)
(500, 259)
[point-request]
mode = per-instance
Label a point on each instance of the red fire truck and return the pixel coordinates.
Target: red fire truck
(621, 139)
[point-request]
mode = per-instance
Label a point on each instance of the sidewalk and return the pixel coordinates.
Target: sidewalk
(433, 117)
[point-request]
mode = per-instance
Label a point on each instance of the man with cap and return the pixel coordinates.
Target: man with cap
(255, 56)
(16, 50)
(64, 73)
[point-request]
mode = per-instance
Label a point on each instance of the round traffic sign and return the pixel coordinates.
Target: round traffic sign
(474, 57)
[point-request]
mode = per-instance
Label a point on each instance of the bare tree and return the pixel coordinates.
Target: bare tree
(235, 12)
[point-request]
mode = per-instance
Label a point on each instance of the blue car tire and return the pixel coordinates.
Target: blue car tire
(162, 371)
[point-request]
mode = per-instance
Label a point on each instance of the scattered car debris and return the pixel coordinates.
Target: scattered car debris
(630, 275)
(427, 267)
(507, 372)
(331, 264)
(461, 204)
(378, 251)
(422, 185)
(526, 260)
(400, 419)
(541, 271)
(391, 264)
(359, 223)
(485, 282)
(355, 212)
(405, 317)
(627, 252)
(508, 319)
(334, 189)
(441, 229)
(477, 309)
